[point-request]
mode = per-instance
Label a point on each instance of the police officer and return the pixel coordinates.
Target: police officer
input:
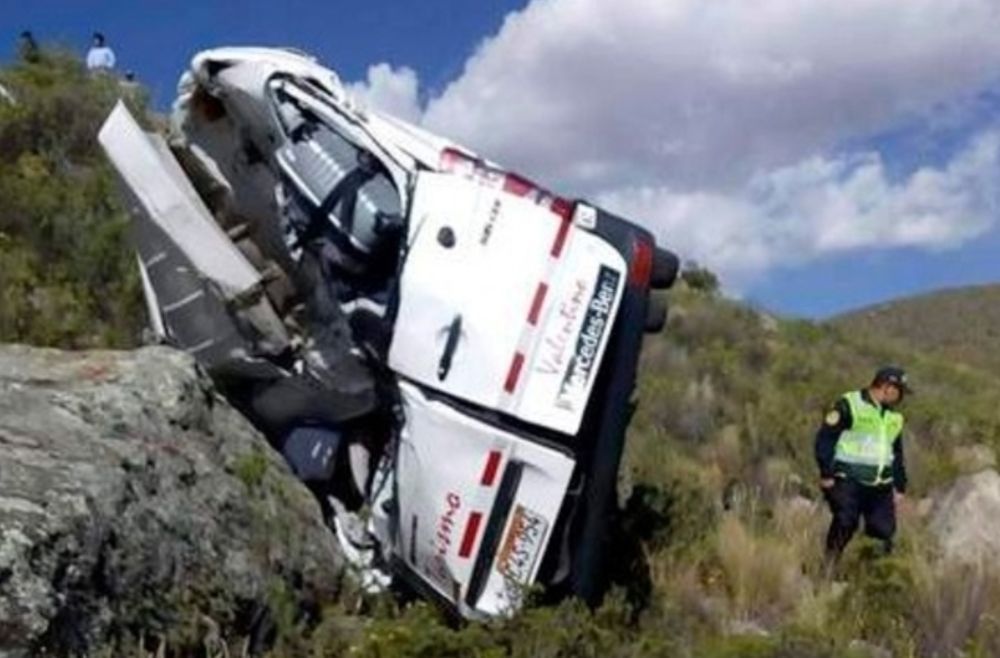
(859, 450)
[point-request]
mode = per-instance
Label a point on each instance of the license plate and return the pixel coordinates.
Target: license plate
(522, 545)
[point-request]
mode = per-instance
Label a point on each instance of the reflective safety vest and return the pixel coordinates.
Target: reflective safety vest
(864, 450)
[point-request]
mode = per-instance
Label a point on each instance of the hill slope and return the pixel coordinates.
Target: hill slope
(961, 323)
(729, 386)
(66, 279)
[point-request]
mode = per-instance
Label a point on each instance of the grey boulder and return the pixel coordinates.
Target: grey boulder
(963, 518)
(134, 501)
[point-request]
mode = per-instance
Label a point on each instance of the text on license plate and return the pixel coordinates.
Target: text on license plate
(519, 551)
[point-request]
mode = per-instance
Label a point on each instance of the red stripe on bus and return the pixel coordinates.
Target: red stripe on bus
(560, 241)
(514, 184)
(469, 538)
(536, 304)
(452, 158)
(514, 373)
(562, 207)
(492, 466)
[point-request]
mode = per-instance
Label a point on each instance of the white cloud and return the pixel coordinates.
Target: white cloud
(591, 93)
(821, 206)
(390, 90)
(723, 124)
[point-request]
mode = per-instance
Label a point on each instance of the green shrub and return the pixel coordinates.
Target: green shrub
(69, 277)
(699, 278)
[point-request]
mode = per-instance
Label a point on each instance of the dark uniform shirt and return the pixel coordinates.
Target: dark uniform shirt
(836, 421)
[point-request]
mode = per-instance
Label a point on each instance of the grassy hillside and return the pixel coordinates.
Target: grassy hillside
(961, 324)
(66, 279)
(726, 373)
(719, 549)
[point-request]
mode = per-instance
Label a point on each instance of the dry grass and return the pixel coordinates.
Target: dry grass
(764, 572)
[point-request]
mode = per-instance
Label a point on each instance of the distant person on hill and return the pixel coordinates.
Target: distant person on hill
(27, 47)
(129, 85)
(859, 450)
(100, 57)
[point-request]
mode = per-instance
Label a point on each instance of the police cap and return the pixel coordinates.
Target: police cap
(892, 375)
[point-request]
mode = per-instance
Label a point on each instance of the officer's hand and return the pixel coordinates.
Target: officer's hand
(898, 498)
(826, 483)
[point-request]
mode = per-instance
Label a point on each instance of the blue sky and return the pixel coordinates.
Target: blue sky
(821, 156)
(157, 38)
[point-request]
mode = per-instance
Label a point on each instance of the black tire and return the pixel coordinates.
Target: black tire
(665, 268)
(656, 315)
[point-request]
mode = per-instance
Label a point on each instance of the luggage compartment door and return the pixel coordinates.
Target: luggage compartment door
(504, 301)
(477, 505)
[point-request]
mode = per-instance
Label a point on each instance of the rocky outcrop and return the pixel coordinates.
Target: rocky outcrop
(964, 518)
(134, 500)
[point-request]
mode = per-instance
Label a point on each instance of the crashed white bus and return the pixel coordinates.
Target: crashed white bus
(493, 326)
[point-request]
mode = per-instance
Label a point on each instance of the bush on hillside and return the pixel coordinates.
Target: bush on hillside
(700, 278)
(68, 278)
